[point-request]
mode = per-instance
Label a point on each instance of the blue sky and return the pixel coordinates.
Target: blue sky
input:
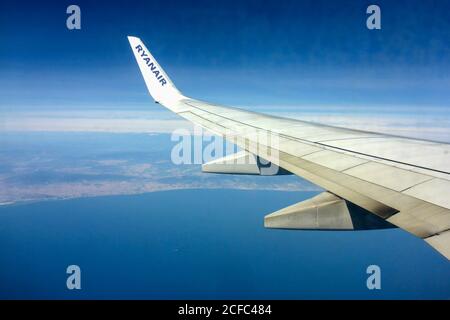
(234, 52)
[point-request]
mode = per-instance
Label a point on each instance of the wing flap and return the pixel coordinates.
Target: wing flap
(325, 211)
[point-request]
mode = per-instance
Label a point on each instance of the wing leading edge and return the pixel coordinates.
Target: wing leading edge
(403, 181)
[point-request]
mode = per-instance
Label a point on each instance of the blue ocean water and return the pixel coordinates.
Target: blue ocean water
(202, 244)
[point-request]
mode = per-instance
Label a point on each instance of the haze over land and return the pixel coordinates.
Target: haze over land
(54, 154)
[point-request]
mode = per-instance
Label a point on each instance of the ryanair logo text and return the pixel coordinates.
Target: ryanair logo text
(151, 65)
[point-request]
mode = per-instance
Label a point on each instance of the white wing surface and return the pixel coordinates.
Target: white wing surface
(400, 180)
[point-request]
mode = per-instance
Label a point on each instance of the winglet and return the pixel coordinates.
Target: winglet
(158, 83)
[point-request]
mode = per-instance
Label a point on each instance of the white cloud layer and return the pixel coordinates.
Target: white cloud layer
(432, 126)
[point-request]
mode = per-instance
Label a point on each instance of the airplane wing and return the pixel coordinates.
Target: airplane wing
(399, 180)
